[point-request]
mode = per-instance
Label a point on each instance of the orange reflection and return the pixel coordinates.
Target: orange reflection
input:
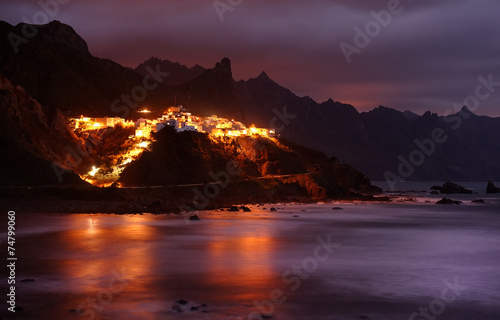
(91, 242)
(244, 262)
(164, 260)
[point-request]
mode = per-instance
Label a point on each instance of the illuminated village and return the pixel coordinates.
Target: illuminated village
(177, 117)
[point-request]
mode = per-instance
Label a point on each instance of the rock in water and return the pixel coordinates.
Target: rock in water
(448, 201)
(234, 209)
(491, 188)
(177, 308)
(452, 188)
(194, 218)
(273, 209)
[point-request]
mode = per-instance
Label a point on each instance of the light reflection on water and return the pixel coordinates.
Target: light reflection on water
(392, 260)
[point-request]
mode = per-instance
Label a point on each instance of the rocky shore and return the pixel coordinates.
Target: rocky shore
(168, 199)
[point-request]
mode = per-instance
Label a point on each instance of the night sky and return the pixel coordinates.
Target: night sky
(423, 55)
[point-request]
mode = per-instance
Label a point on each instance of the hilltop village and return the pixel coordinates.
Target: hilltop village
(177, 117)
(106, 172)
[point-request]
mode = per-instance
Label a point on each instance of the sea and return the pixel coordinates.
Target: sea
(405, 259)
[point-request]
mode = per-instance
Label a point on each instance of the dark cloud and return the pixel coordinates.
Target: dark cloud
(427, 58)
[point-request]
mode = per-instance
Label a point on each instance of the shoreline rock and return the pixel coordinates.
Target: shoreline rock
(491, 188)
(447, 201)
(451, 188)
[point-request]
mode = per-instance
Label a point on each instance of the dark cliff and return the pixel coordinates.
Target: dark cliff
(263, 164)
(35, 141)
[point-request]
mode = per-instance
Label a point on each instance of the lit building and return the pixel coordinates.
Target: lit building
(178, 118)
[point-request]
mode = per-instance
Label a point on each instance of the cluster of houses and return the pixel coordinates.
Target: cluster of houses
(176, 117)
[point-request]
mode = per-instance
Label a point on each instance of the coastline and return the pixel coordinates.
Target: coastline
(145, 200)
(61, 200)
(176, 199)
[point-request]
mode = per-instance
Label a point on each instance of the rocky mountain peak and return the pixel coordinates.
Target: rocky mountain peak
(224, 67)
(155, 60)
(263, 76)
(60, 33)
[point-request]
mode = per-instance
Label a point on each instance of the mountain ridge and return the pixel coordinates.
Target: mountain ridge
(179, 74)
(374, 141)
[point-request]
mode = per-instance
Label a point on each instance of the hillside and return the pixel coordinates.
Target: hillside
(36, 141)
(192, 158)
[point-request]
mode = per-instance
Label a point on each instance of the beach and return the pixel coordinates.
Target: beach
(303, 261)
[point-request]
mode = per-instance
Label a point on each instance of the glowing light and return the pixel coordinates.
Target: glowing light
(218, 129)
(127, 161)
(143, 144)
(93, 171)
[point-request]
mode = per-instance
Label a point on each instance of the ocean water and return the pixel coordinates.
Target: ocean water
(424, 186)
(366, 261)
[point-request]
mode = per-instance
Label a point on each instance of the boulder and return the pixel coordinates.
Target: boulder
(194, 218)
(273, 209)
(478, 201)
(448, 201)
(234, 209)
(453, 188)
(491, 188)
(337, 208)
(177, 308)
(245, 209)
